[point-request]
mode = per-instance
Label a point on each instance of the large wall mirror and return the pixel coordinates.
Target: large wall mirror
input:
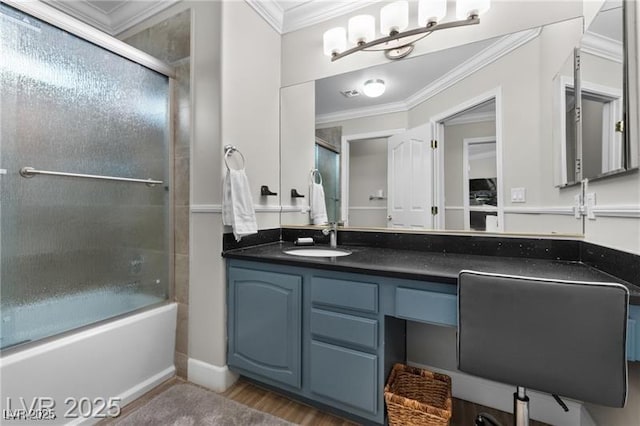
(462, 139)
(590, 88)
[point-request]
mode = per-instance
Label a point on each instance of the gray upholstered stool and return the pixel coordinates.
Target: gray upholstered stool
(561, 337)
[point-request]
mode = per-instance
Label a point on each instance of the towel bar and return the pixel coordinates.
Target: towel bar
(228, 152)
(29, 172)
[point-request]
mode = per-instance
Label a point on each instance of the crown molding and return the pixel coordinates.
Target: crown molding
(85, 12)
(601, 46)
(491, 54)
(472, 118)
(270, 11)
(305, 14)
(314, 12)
(118, 20)
(505, 45)
(351, 114)
(134, 12)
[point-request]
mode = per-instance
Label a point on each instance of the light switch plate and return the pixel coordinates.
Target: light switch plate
(518, 195)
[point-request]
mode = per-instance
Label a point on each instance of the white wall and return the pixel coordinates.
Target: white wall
(367, 175)
(303, 59)
(235, 90)
(251, 100)
(297, 111)
(482, 167)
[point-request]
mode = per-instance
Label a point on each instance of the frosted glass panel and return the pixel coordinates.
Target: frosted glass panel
(328, 164)
(75, 251)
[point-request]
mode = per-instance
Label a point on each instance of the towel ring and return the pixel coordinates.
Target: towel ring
(228, 152)
(315, 173)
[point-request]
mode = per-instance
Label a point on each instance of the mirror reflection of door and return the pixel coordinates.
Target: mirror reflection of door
(328, 164)
(480, 184)
(470, 172)
(601, 144)
(410, 182)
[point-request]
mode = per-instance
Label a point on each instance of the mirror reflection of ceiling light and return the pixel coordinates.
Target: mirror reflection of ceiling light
(396, 41)
(373, 88)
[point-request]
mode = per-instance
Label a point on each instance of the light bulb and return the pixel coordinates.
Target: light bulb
(431, 11)
(373, 88)
(362, 29)
(467, 8)
(335, 41)
(394, 17)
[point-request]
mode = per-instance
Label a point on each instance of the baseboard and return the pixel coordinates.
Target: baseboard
(210, 376)
(133, 393)
(496, 395)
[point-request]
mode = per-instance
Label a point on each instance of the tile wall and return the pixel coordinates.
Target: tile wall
(170, 41)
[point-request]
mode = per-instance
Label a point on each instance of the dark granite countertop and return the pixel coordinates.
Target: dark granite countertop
(429, 266)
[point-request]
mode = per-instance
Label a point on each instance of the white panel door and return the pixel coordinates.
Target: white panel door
(410, 179)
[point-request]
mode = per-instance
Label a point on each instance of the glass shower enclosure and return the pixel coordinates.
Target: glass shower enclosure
(84, 235)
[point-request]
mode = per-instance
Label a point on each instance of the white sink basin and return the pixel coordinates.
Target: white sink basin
(318, 252)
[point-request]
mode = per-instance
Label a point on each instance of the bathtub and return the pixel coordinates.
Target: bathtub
(80, 377)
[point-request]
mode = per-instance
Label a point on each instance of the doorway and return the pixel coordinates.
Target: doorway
(468, 167)
(480, 184)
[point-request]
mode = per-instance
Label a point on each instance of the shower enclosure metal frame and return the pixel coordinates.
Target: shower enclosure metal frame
(65, 22)
(59, 19)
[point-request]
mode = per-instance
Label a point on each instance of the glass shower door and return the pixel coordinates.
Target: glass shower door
(76, 250)
(328, 164)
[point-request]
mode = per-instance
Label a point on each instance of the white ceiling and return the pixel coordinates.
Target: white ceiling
(402, 78)
(111, 16)
(116, 16)
(106, 6)
(608, 22)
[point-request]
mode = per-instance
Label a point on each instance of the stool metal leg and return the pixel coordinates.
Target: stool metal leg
(521, 407)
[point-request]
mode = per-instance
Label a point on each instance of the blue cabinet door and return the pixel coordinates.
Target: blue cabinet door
(264, 324)
(348, 378)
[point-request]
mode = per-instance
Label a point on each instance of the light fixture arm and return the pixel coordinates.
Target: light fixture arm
(472, 20)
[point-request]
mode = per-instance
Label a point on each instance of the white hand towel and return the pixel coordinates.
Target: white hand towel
(317, 204)
(237, 204)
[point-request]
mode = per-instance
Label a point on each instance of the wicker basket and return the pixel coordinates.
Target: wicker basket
(417, 397)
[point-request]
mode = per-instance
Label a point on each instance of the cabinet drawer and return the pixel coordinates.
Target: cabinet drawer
(345, 294)
(346, 376)
(345, 328)
(427, 306)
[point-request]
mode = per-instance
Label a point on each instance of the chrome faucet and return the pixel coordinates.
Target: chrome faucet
(332, 232)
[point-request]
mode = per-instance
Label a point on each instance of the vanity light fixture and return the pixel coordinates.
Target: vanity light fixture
(397, 42)
(373, 88)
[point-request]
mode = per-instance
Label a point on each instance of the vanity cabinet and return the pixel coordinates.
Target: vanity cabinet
(314, 334)
(330, 338)
(264, 324)
(343, 344)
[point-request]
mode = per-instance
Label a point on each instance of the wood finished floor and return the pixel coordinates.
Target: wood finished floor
(464, 412)
(253, 396)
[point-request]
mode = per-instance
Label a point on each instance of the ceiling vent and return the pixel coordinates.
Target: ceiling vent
(350, 93)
